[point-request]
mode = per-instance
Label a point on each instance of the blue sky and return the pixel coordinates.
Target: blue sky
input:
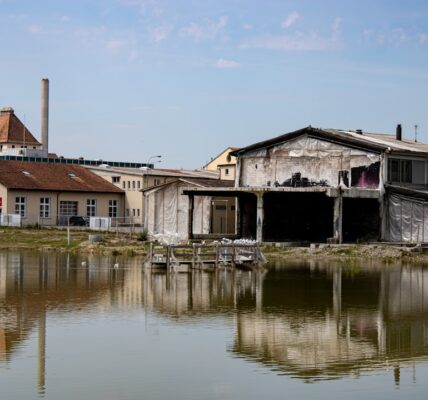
(133, 78)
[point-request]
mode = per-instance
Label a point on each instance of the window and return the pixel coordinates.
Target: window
(129, 185)
(226, 171)
(68, 208)
(157, 181)
(45, 207)
(134, 213)
(112, 208)
(124, 185)
(21, 206)
(139, 185)
(406, 171)
(138, 212)
(133, 185)
(115, 179)
(127, 212)
(91, 207)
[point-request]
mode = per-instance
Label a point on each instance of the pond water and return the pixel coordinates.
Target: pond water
(77, 328)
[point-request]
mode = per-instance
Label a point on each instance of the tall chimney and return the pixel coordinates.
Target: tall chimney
(44, 128)
(398, 132)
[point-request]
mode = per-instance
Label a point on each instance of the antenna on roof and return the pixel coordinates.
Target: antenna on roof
(416, 132)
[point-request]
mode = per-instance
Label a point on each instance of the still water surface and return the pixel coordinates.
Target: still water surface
(302, 330)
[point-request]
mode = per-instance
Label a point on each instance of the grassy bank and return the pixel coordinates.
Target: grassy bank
(57, 240)
(126, 244)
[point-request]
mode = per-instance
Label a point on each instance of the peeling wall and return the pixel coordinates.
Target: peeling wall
(318, 162)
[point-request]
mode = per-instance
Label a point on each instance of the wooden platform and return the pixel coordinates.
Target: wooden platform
(205, 256)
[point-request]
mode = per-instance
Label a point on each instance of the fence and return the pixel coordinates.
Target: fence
(10, 220)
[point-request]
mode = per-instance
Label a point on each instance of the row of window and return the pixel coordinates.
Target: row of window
(133, 185)
(135, 212)
(66, 208)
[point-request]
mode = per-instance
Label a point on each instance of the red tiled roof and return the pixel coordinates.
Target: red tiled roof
(52, 177)
(12, 130)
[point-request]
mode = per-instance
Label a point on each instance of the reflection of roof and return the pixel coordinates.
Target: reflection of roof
(56, 177)
(12, 130)
(372, 141)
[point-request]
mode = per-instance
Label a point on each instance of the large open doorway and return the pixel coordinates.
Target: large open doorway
(361, 220)
(291, 217)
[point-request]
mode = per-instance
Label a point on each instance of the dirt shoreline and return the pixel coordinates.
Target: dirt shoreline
(45, 240)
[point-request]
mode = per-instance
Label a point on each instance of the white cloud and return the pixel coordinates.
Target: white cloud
(65, 18)
(34, 29)
(297, 42)
(291, 19)
(160, 32)
(115, 45)
(336, 25)
(247, 27)
(423, 38)
(145, 6)
(208, 31)
(226, 64)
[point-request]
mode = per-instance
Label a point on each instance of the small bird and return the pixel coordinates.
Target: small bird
(83, 264)
(116, 266)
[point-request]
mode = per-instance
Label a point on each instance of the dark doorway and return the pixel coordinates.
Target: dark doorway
(297, 217)
(361, 220)
(248, 215)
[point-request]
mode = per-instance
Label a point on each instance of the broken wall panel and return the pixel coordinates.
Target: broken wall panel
(407, 219)
(318, 161)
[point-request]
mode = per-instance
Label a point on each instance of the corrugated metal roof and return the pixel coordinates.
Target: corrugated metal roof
(377, 142)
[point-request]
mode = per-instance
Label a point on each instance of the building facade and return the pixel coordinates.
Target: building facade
(50, 194)
(318, 185)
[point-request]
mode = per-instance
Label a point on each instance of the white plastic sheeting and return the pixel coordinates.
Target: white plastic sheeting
(100, 223)
(10, 220)
(313, 158)
(168, 213)
(407, 219)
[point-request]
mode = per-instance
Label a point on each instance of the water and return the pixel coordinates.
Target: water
(299, 330)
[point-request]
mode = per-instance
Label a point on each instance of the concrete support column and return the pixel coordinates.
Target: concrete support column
(260, 218)
(190, 217)
(337, 218)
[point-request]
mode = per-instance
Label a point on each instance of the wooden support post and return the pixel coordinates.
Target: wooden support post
(337, 218)
(260, 218)
(193, 256)
(151, 253)
(217, 256)
(190, 218)
(167, 257)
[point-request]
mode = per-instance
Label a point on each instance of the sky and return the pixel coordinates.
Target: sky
(130, 79)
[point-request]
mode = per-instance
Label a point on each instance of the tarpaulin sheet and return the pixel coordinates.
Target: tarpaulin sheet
(168, 213)
(407, 219)
(315, 159)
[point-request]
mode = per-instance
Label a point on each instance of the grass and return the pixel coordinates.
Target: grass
(56, 239)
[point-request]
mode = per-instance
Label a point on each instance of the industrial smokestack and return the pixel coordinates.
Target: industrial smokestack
(44, 128)
(398, 132)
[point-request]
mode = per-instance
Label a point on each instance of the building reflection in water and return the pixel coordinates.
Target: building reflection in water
(308, 320)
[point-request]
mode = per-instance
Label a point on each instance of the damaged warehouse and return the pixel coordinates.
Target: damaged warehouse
(327, 185)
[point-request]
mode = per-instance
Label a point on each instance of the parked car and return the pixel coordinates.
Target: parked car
(78, 221)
